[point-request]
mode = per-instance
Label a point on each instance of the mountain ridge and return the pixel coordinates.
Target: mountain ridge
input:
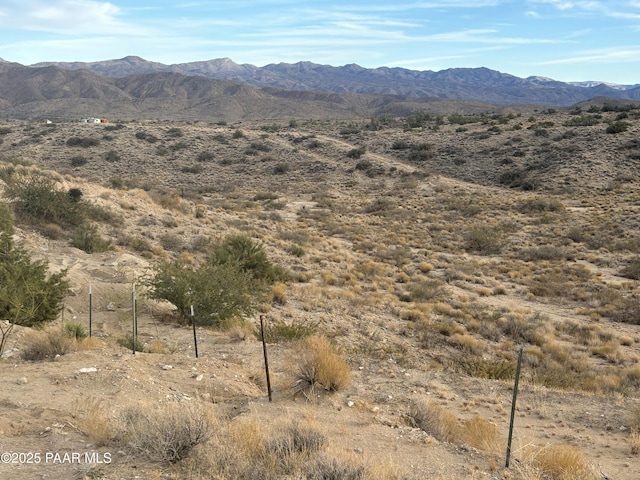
(464, 84)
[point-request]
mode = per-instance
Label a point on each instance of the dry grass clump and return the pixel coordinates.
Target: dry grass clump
(244, 449)
(482, 434)
(634, 438)
(93, 420)
(166, 434)
(436, 420)
(563, 462)
(46, 345)
(318, 364)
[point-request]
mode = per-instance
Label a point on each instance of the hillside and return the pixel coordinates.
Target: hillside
(426, 248)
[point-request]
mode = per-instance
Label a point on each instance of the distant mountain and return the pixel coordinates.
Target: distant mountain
(466, 84)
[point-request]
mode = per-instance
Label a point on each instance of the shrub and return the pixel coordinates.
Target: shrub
(29, 296)
(618, 127)
(92, 419)
(75, 330)
(483, 239)
(84, 142)
(319, 365)
(37, 199)
(251, 257)
(286, 332)
(436, 420)
(563, 462)
(205, 156)
(281, 168)
(78, 161)
(131, 343)
(632, 269)
(168, 434)
(175, 132)
(41, 345)
(112, 156)
(356, 152)
(237, 134)
(87, 239)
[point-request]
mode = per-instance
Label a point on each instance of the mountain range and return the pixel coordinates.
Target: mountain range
(138, 87)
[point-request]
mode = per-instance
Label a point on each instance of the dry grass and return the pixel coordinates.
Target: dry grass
(562, 462)
(436, 420)
(93, 420)
(318, 364)
(482, 434)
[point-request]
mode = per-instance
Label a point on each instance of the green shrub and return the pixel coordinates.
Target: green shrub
(618, 127)
(75, 330)
(205, 156)
(130, 343)
(29, 295)
(87, 239)
(237, 134)
(37, 199)
(286, 332)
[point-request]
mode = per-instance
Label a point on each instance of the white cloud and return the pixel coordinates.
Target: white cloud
(604, 55)
(70, 17)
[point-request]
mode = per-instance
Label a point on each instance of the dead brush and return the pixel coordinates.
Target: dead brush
(317, 364)
(166, 434)
(562, 462)
(482, 434)
(436, 420)
(93, 420)
(46, 345)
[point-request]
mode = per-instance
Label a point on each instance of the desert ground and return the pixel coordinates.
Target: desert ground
(427, 250)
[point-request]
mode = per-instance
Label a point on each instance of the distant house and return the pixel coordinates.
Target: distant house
(48, 121)
(90, 120)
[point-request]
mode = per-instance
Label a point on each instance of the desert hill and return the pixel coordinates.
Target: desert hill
(427, 248)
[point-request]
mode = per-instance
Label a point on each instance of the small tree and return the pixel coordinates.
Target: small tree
(29, 296)
(228, 284)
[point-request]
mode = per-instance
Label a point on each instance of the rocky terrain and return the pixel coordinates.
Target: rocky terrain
(426, 248)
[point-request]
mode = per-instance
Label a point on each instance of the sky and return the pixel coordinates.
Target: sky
(559, 39)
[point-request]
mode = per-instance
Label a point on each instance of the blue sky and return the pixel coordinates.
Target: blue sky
(561, 39)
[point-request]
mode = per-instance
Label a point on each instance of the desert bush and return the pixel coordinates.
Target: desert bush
(93, 420)
(356, 152)
(482, 434)
(563, 462)
(37, 199)
(84, 142)
(435, 420)
(165, 434)
(317, 364)
(87, 239)
(281, 168)
(46, 345)
(112, 156)
(545, 252)
(483, 239)
(582, 121)
(281, 332)
(131, 343)
(78, 161)
(237, 134)
(175, 132)
(540, 205)
(75, 330)
(618, 127)
(178, 146)
(29, 295)
(632, 269)
(217, 291)
(251, 256)
(205, 156)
